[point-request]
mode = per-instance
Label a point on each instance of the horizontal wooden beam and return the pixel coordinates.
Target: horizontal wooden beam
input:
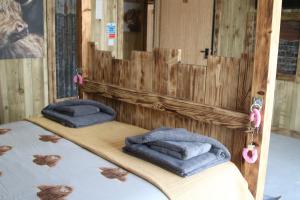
(201, 112)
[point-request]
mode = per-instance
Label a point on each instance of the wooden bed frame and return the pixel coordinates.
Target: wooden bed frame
(155, 89)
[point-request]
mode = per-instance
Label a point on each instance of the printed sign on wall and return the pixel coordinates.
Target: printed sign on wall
(111, 30)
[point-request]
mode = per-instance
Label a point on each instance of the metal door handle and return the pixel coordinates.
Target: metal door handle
(206, 52)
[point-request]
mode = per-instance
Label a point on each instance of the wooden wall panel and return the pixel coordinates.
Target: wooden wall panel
(112, 13)
(195, 20)
(219, 84)
(263, 86)
(232, 19)
(286, 106)
(24, 84)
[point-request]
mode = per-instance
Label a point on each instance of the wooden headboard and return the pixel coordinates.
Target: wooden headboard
(223, 86)
(154, 89)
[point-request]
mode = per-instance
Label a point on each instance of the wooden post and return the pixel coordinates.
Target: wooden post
(51, 57)
(84, 22)
(263, 85)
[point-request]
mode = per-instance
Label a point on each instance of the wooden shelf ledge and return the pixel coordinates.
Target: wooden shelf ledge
(205, 113)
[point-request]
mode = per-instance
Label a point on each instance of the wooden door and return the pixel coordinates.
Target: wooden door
(185, 25)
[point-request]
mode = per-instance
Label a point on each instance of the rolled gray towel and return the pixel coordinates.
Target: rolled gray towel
(78, 110)
(139, 146)
(180, 150)
(105, 113)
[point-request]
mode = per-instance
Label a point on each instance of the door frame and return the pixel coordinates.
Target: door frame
(51, 50)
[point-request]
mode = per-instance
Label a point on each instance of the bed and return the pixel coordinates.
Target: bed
(41, 159)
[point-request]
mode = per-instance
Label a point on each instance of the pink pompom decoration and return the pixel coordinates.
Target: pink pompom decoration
(78, 79)
(255, 117)
(250, 154)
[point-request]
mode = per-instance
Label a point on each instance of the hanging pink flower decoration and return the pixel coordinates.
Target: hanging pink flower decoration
(78, 79)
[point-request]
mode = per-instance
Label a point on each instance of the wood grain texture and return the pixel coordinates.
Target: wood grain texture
(286, 114)
(232, 16)
(195, 20)
(84, 18)
(51, 55)
(263, 85)
(155, 89)
(24, 83)
(113, 12)
(201, 112)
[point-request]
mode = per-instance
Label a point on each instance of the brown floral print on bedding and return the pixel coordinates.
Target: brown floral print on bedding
(56, 192)
(114, 173)
(4, 130)
(50, 160)
(4, 149)
(49, 138)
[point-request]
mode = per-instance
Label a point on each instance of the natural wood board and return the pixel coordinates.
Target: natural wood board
(24, 82)
(201, 112)
(231, 23)
(195, 21)
(286, 113)
(161, 75)
(263, 85)
(51, 55)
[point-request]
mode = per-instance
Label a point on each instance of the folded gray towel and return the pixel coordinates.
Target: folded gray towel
(180, 150)
(77, 110)
(105, 113)
(139, 146)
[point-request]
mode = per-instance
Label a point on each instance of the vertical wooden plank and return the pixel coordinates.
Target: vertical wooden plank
(213, 86)
(198, 84)
(51, 56)
(102, 66)
(296, 125)
(15, 86)
(250, 35)
(230, 77)
(244, 84)
(263, 85)
(45, 99)
(164, 58)
(84, 33)
(38, 87)
(172, 91)
(183, 91)
(143, 63)
(217, 25)
(150, 27)
(126, 110)
(28, 86)
(91, 61)
(157, 19)
(120, 28)
(232, 29)
(4, 103)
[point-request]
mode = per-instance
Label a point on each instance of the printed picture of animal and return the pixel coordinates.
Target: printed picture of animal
(4, 130)
(50, 160)
(56, 192)
(20, 29)
(4, 149)
(114, 173)
(49, 138)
